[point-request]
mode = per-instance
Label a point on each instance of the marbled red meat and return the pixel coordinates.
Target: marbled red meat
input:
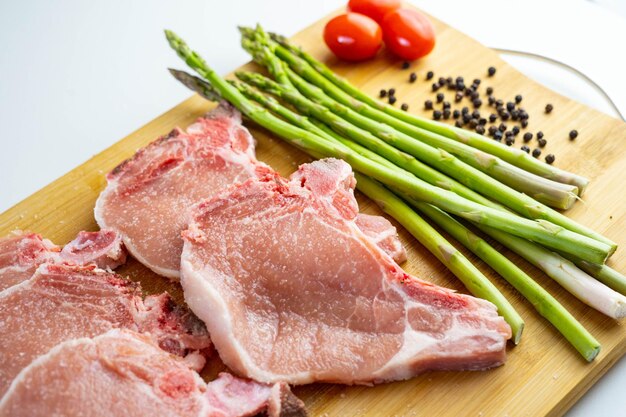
(292, 290)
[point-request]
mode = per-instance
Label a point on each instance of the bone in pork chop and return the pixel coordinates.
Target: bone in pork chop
(62, 302)
(147, 196)
(22, 252)
(123, 373)
(292, 290)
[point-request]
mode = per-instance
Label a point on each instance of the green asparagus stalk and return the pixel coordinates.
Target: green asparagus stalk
(546, 305)
(527, 206)
(605, 274)
(546, 191)
(438, 158)
(514, 156)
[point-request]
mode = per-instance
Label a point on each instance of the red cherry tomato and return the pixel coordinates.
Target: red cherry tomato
(353, 36)
(376, 9)
(408, 33)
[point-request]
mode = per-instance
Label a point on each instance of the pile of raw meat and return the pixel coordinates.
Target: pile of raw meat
(284, 278)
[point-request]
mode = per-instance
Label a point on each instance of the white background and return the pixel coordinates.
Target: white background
(76, 76)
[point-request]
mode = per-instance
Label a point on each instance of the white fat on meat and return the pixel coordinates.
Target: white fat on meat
(291, 289)
(124, 373)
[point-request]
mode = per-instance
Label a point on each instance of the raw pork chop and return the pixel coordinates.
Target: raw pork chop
(22, 252)
(292, 290)
(20, 255)
(123, 373)
(147, 196)
(62, 302)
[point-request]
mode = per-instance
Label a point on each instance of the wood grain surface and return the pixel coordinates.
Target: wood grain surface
(543, 376)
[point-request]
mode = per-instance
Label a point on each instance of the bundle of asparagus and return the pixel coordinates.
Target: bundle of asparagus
(408, 164)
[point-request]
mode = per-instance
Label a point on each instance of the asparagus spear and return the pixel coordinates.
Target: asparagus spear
(546, 191)
(546, 259)
(526, 205)
(440, 159)
(514, 156)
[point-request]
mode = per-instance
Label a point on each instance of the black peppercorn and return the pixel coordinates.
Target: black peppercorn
(442, 81)
(515, 130)
(549, 108)
(406, 65)
(539, 134)
(382, 94)
(437, 114)
(492, 130)
(482, 121)
(473, 123)
(446, 114)
(446, 105)
(475, 114)
(477, 102)
(458, 123)
(440, 97)
(392, 91)
(404, 106)
(491, 100)
(458, 97)
(428, 105)
(491, 71)
(430, 75)
(497, 135)
(515, 114)
(392, 99)
(550, 158)
(525, 149)
(493, 117)
(456, 114)
(466, 117)
(573, 134)
(518, 98)
(499, 103)
(524, 123)
(504, 115)
(536, 152)
(465, 110)
(508, 134)
(489, 91)
(412, 77)
(542, 142)
(528, 137)
(480, 129)
(509, 140)
(510, 105)
(502, 127)
(435, 87)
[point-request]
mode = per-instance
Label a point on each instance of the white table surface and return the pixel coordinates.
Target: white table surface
(77, 76)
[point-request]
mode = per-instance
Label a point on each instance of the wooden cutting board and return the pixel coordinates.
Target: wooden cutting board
(543, 376)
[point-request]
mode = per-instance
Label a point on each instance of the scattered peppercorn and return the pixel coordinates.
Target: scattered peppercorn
(477, 102)
(406, 65)
(542, 142)
(440, 97)
(392, 99)
(502, 127)
(509, 140)
(524, 124)
(435, 87)
(480, 129)
(499, 103)
(550, 158)
(539, 134)
(518, 98)
(482, 121)
(515, 130)
(442, 81)
(437, 114)
(446, 114)
(412, 77)
(536, 152)
(465, 110)
(493, 117)
(489, 91)
(491, 100)
(456, 114)
(383, 93)
(508, 134)
(446, 105)
(473, 123)
(528, 137)
(458, 123)
(492, 130)
(573, 134)
(475, 114)
(404, 106)
(497, 135)
(428, 105)
(525, 148)
(549, 108)
(491, 71)
(430, 75)
(458, 97)
(392, 91)
(504, 115)
(510, 106)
